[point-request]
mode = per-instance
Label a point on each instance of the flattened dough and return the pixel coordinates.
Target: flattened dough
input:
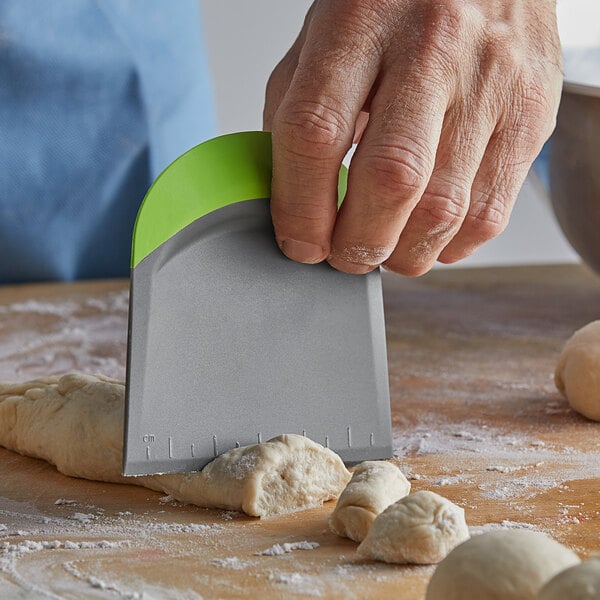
(373, 487)
(419, 529)
(76, 423)
(577, 374)
(508, 565)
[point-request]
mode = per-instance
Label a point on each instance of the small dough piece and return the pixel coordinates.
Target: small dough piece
(374, 486)
(500, 565)
(581, 582)
(577, 374)
(418, 529)
(76, 423)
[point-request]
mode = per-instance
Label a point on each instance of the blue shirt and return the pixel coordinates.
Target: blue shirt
(96, 98)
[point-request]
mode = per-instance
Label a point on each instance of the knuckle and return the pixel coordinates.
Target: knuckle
(488, 222)
(527, 122)
(442, 211)
(535, 101)
(538, 112)
(307, 126)
(447, 18)
(499, 62)
(396, 173)
(447, 27)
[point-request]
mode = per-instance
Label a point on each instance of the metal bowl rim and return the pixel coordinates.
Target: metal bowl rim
(581, 89)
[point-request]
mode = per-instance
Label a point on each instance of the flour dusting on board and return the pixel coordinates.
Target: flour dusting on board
(300, 583)
(279, 549)
(231, 562)
(519, 465)
(86, 337)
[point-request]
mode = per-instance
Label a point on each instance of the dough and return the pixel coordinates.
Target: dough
(76, 423)
(500, 565)
(581, 582)
(419, 529)
(577, 373)
(373, 487)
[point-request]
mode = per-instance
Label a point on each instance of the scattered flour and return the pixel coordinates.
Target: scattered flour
(83, 517)
(307, 585)
(100, 584)
(505, 524)
(465, 445)
(229, 515)
(231, 562)
(183, 527)
(279, 549)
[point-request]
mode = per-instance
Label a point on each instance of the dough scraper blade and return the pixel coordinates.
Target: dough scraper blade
(231, 343)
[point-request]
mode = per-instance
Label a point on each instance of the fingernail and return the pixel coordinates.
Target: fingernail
(348, 267)
(303, 252)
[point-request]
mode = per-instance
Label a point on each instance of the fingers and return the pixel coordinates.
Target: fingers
(389, 171)
(313, 128)
(509, 155)
(439, 214)
(422, 191)
(457, 109)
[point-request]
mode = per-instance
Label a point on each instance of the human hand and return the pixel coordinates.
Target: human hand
(452, 101)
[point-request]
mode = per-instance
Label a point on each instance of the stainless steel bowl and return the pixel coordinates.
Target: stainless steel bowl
(575, 170)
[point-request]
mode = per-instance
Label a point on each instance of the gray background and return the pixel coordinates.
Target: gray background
(245, 39)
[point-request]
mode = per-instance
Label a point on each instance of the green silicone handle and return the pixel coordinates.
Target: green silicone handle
(221, 171)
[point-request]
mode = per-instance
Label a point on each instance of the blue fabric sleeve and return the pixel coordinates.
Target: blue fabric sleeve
(96, 98)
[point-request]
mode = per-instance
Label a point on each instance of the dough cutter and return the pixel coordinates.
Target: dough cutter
(231, 343)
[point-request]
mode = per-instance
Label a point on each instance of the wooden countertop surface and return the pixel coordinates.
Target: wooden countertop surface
(476, 418)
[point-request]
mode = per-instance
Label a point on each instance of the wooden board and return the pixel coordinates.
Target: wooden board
(476, 418)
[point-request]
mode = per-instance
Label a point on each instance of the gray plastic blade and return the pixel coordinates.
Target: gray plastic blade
(231, 343)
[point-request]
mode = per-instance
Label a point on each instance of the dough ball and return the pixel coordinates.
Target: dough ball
(577, 374)
(581, 582)
(419, 529)
(500, 565)
(76, 423)
(373, 487)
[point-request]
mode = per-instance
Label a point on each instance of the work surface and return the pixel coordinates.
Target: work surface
(476, 418)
